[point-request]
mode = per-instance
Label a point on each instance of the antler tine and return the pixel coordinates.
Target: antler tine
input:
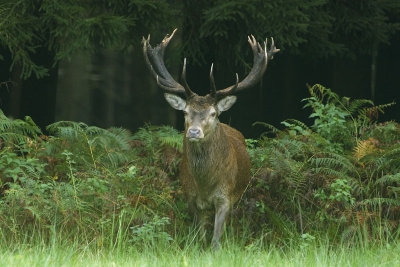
(260, 61)
(214, 91)
(183, 78)
(234, 88)
(154, 58)
(273, 50)
(212, 82)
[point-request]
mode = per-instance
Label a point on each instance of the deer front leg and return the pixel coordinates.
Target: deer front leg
(198, 219)
(221, 211)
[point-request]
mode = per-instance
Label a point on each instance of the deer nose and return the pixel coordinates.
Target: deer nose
(194, 133)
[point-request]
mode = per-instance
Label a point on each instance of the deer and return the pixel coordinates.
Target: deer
(215, 167)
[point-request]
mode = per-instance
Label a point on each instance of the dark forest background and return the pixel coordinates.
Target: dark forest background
(82, 60)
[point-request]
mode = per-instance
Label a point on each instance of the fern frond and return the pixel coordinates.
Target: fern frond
(388, 179)
(92, 145)
(393, 151)
(319, 92)
(66, 129)
(328, 171)
(290, 148)
(55, 125)
(268, 126)
(356, 104)
(166, 135)
(110, 141)
(175, 141)
(356, 185)
(364, 148)
(123, 134)
(332, 160)
(94, 130)
(300, 182)
(13, 138)
(388, 132)
(297, 126)
(389, 160)
(380, 200)
(374, 111)
(17, 131)
(113, 158)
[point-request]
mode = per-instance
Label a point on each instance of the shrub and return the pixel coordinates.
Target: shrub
(337, 177)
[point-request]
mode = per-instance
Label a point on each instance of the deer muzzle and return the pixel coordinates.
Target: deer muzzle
(194, 134)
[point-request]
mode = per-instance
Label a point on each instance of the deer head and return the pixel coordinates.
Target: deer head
(201, 112)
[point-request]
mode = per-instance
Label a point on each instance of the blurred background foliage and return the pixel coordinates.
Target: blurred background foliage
(81, 60)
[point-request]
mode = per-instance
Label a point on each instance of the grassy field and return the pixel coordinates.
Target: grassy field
(172, 255)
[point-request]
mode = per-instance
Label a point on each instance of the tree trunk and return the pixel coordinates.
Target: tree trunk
(31, 97)
(38, 96)
(374, 61)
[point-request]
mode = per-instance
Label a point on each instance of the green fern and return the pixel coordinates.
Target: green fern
(326, 174)
(332, 161)
(377, 201)
(342, 120)
(296, 127)
(389, 179)
(90, 144)
(389, 161)
(165, 135)
(356, 105)
(268, 126)
(17, 133)
(321, 94)
(387, 133)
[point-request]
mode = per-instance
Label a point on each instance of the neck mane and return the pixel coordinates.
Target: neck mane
(208, 154)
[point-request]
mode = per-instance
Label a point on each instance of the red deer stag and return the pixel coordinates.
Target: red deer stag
(215, 169)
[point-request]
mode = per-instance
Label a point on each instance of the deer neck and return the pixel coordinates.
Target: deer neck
(203, 157)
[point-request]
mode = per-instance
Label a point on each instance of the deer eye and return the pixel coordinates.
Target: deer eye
(213, 114)
(185, 113)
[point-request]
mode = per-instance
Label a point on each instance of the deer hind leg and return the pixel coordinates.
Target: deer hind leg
(198, 219)
(221, 211)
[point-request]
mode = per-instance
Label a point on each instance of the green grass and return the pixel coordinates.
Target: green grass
(74, 254)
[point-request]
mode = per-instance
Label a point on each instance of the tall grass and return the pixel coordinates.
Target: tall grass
(318, 254)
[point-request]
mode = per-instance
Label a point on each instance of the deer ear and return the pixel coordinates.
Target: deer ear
(175, 101)
(226, 103)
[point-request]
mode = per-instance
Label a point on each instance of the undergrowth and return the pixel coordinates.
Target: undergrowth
(337, 179)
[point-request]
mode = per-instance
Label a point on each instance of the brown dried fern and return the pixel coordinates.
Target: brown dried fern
(364, 148)
(372, 113)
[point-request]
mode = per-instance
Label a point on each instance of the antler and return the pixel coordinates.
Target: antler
(261, 58)
(159, 71)
(165, 81)
(214, 91)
